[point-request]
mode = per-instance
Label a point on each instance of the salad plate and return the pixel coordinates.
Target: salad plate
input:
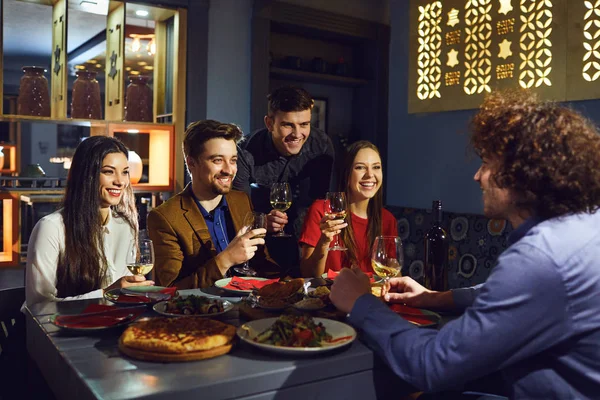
(341, 335)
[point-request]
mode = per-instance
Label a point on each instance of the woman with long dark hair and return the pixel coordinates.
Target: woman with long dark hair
(361, 180)
(80, 250)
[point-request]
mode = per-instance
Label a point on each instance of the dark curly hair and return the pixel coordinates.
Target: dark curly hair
(548, 154)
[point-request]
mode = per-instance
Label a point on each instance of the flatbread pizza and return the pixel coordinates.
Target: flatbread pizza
(177, 339)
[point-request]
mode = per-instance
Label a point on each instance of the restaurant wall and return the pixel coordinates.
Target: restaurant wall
(229, 61)
(427, 153)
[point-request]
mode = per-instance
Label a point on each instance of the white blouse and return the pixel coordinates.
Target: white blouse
(46, 242)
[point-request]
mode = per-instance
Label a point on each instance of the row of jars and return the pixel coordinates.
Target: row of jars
(34, 96)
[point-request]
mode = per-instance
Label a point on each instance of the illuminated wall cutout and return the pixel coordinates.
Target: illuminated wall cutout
(478, 33)
(494, 44)
(430, 42)
(591, 32)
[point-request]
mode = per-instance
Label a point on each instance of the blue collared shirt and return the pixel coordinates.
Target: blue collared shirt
(535, 320)
(219, 224)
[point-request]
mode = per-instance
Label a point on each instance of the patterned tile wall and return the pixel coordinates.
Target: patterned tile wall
(475, 243)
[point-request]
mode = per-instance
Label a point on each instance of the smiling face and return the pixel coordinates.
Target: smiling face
(214, 169)
(289, 130)
(114, 178)
(497, 202)
(366, 176)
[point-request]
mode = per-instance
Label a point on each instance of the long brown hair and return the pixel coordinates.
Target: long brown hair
(373, 209)
(82, 265)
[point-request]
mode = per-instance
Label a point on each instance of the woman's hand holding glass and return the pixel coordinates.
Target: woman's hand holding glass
(255, 224)
(335, 210)
(331, 227)
(139, 261)
(140, 258)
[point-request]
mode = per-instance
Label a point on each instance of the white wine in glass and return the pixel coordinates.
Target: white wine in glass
(140, 259)
(253, 220)
(335, 208)
(281, 200)
(387, 257)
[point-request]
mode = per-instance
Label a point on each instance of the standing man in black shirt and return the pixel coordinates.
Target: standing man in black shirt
(287, 150)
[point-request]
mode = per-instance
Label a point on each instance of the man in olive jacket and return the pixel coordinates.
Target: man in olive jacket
(199, 234)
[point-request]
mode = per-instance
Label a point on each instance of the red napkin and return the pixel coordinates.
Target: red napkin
(127, 298)
(331, 274)
(113, 316)
(411, 314)
(238, 283)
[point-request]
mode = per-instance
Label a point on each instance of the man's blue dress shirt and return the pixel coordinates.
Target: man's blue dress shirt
(219, 224)
(536, 320)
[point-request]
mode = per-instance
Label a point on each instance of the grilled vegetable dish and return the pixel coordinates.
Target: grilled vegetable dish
(294, 331)
(194, 305)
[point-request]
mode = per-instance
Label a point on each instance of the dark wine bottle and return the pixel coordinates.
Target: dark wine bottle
(436, 252)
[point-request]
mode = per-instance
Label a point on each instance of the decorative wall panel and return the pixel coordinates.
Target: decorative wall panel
(488, 45)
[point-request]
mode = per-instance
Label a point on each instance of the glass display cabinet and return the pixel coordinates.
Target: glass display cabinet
(73, 69)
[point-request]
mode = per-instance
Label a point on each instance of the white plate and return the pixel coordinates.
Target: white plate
(162, 306)
(250, 330)
(221, 283)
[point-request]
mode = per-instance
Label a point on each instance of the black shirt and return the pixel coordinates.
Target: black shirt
(308, 173)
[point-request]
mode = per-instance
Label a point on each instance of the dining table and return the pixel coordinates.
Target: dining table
(90, 365)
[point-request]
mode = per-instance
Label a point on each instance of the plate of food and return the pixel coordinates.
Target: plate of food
(108, 317)
(192, 305)
(310, 304)
(242, 284)
(271, 304)
(296, 334)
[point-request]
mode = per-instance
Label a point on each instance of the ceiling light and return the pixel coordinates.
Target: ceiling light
(98, 65)
(141, 13)
(149, 67)
(133, 131)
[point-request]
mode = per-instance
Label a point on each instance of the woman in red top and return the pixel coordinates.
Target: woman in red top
(362, 178)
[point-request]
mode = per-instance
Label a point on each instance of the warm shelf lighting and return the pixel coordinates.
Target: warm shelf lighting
(133, 131)
(136, 44)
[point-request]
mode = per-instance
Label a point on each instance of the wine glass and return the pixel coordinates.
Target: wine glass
(387, 257)
(253, 220)
(335, 206)
(281, 200)
(140, 258)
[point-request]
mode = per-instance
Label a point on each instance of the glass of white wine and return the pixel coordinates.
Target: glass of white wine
(253, 220)
(281, 200)
(140, 258)
(387, 257)
(335, 208)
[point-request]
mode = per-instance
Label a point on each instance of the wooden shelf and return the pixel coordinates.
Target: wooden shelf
(10, 158)
(314, 77)
(74, 121)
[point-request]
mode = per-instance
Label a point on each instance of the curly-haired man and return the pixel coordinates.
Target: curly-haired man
(535, 321)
